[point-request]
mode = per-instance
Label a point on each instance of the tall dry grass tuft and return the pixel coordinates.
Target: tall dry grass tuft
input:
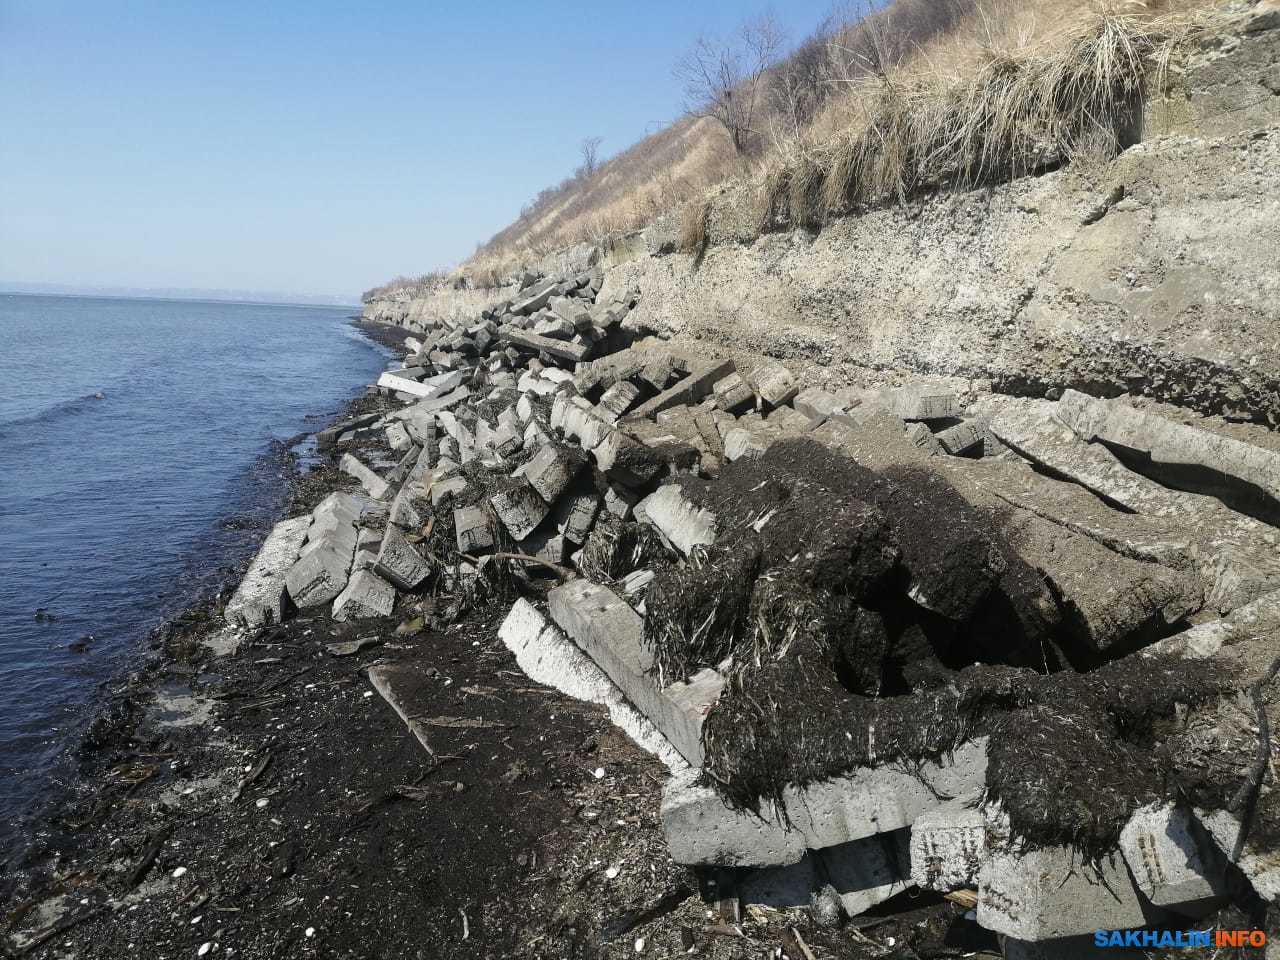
(1079, 96)
(695, 232)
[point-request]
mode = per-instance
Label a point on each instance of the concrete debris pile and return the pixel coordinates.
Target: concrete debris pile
(883, 638)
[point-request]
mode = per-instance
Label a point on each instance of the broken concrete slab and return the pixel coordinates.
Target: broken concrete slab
(702, 829)
(948, 844)
(576, 514)
(564, 350)
(534, 298)
(681, 523)
(1243, 476)
(868, 871)
(612, 634)
(1259, 862)
(773, 383)
(687, 391)
(551, 471)
(377, 488)
(471, 530)
(618, 399)
(399, 562)
(918, 401)
(1054, 892)
(1260, 618)
(318, 577)
(1175, 865)
(960, 440)
(733, 393)
(817, 404)
(366, 595)
(519, 508)
(549, 657)
(259, 600)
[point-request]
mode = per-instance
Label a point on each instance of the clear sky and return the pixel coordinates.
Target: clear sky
(312, 147)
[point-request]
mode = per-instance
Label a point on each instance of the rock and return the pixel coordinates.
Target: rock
(259, 600)
(399, 562)
(374, 484)
(681, 524)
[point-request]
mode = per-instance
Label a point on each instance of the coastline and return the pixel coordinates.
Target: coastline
(217, 797)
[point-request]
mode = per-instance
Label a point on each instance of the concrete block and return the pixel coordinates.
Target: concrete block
(618, 399)
(625, 460)
(948, 845)
(471, 529)
(398, 437)
(701, 829)
(688, 391)
(773, 383)
(519, 508)
(922, 437)
(399, 562)
(549, 657)
(733, 393)
(920, 402)
(1175, 864)
(564, 350)
(1259, 862)
(869, 871)
(551, 471)
(454, 486)
(682, 524)
(259, 600)
(367, 595)
(576, 514)
(1055, 892)
(404, 513)
(620, 502)
(377, 488)
(816, 403)
(318, 577)
(961, 439)
(612, 634)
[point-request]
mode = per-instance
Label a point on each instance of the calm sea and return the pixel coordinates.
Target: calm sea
(142, 453)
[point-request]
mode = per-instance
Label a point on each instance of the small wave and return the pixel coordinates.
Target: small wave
(62, 408)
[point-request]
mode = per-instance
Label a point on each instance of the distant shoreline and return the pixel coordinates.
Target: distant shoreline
(178, 298)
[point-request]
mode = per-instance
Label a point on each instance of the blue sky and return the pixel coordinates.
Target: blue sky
(311, 147)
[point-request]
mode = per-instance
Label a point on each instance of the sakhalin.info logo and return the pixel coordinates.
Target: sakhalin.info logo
(1180, 938)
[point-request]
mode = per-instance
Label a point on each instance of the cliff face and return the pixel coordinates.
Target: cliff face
(1155, 274)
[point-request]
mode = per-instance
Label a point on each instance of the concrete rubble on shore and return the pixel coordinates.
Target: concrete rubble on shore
(548, 442)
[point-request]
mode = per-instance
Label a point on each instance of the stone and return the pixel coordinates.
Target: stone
(549, 657)
(921, 436)
(701, 829)
(947, 846)
(681, 524)
(318, 577)
(471, 529)
(688, 391)
(377, 488)
(259, 600)
(612, 634)
(1173, 862)
(399, 562)
(773, 383)
(733, 393)
(519, 508)
(367, 595)
(551, 471)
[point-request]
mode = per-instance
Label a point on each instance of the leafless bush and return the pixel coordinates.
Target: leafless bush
(590, 150)
(723, 79)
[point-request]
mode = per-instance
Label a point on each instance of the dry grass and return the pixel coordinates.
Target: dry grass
(922, 95)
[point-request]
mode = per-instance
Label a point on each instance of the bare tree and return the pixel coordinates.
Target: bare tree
(723, 79)
(590, 150)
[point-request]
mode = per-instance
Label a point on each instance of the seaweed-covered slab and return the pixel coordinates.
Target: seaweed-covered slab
(702, 828)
